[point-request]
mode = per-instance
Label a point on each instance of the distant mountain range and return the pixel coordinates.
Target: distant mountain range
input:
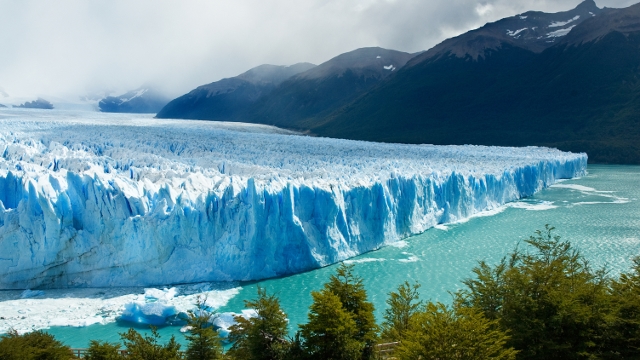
(568, 80)
(141, 100)
(39, 103)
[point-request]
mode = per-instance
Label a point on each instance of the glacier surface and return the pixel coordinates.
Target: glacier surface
(104, 200)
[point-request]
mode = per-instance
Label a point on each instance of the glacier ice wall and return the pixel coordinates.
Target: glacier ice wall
(99, 200)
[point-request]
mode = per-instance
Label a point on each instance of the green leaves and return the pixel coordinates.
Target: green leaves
(341, 322)
(332, 331)
(403, 305)
(547, 298)
(148, 347)
(37, 345)
(204, 341)
(263, 336)
(440, 332)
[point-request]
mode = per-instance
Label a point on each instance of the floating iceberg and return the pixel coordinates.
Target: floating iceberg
(86, 306)
(102, 200)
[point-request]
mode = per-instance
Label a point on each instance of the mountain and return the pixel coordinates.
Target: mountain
(141, 100)
(39, 103)
(307, 97)
(534, 31)
(580, 93)
(229, 98)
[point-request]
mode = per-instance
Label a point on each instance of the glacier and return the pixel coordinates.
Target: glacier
(114, 200)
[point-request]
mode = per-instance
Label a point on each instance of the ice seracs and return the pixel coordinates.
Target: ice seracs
(101, 200)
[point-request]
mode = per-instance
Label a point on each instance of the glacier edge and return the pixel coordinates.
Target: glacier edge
(75, 222)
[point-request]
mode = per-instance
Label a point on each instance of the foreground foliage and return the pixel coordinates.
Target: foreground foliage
(148, 347)
(439, 332)
(554, 306)
(262, 337)
(37, 345)
(540, 302)
(204, 341)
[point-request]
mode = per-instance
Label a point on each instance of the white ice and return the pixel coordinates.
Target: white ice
(106, 200)
(83, 307)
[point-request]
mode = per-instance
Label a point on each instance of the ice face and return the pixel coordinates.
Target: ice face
(101, 200)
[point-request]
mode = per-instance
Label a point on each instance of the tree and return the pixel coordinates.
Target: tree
(549, 300)
(331, 332)
(204, 341)
(349, 289)
(624, 340)
(37, 345)
(147, 347)
(99, 350)
(263, 336)
(403, 304)
(460, 333)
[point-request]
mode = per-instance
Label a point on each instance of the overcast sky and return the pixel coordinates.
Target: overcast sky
(68, 48)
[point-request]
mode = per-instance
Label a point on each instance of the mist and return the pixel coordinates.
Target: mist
(78, 48)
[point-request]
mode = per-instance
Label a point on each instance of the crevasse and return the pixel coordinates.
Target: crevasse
(120, 202)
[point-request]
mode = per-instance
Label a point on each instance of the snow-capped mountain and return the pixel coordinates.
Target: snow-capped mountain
(532, 30)
(142, 100)
(568, 80)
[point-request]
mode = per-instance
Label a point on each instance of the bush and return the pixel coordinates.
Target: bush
(147, 347)
(37, 345)
(439, 332)
(99, 350)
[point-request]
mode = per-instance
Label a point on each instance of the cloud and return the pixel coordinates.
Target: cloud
(73, 47)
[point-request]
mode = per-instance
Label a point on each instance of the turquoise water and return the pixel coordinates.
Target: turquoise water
(600, 216)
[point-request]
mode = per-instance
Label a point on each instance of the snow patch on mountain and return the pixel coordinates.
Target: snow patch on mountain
(560, 33)
(515, 33)
(563, 23)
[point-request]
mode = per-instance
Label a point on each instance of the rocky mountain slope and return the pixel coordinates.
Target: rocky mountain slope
(580, 94)
(228, 99)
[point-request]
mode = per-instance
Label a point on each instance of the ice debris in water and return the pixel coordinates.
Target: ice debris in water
(87, 306)
(102, 200)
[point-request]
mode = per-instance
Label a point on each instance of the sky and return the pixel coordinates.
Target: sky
(74, 48)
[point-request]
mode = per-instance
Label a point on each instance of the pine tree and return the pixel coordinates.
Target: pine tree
(262, 337)
(331, 332)
(350, 290)
(403, 304)
(204, 341)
